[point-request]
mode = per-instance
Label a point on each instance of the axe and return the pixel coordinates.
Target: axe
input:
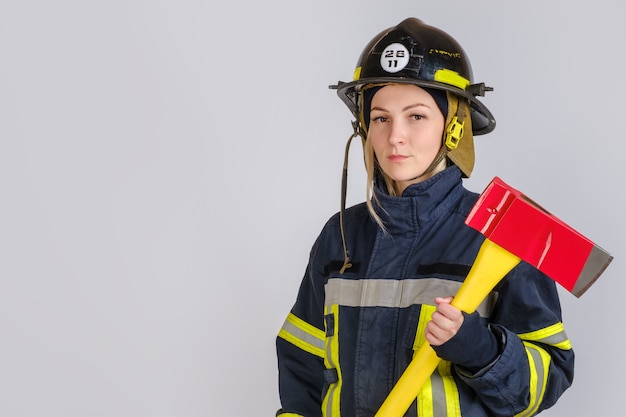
(515, 229)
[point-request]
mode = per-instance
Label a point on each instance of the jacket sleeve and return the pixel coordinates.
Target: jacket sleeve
(300, 347)
(536, 364)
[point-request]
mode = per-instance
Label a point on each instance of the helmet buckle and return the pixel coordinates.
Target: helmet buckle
(454, 133)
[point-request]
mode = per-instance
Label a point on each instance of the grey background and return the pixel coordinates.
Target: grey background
(166, 165)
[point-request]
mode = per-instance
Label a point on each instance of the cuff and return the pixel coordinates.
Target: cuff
(474, 347)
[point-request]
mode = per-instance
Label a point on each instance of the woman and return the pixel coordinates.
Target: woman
(382, 274)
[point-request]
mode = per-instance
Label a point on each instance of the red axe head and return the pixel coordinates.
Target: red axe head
(519, 225)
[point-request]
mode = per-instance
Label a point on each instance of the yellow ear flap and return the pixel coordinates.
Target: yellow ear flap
(458, 134)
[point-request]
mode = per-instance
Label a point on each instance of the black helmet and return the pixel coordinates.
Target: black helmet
(415, 53)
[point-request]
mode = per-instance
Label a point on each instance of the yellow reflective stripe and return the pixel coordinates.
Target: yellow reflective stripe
(330, 404)
(539, 363)
(539, 360)
(425, 397)
(426, 313)
(552, 335)
(451, 391)
(439, 395)
(303, 335)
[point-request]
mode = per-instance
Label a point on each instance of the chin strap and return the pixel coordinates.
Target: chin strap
(344, 188)
(443, 151)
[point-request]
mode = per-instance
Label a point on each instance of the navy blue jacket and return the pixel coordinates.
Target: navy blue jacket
(349, 336)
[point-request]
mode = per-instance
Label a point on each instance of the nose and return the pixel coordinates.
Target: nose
(397, 132)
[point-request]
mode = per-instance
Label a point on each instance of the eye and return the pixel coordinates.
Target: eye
(417, 116)
(379, 119)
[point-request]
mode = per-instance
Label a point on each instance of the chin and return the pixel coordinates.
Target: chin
(405, 177)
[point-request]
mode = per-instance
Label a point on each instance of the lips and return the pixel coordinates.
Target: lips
(397, 158)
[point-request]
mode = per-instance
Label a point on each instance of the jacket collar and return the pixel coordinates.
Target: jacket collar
(420, 202)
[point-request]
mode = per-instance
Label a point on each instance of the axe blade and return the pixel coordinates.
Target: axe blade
(510, 219)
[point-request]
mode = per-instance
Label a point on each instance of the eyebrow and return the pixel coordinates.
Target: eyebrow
(410, 106)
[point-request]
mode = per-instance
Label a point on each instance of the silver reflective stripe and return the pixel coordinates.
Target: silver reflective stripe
(395, 293)
(534, 402)
(439, 395)
(333, 387)
(553, 335)
(553, 340)
(300, 334)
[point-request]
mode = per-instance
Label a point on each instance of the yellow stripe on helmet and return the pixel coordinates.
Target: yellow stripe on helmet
(450, 77)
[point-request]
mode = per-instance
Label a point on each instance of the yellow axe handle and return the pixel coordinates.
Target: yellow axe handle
(491, 265)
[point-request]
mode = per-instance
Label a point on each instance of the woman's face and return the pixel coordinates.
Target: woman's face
(406, 130)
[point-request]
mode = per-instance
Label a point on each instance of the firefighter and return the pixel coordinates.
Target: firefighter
(381, 274)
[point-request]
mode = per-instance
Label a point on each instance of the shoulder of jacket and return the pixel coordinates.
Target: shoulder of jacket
(351, 214)
(466, 202)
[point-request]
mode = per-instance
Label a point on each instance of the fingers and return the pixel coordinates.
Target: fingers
(441, 329)
(439, 300)
(447, 310)
(445, 323)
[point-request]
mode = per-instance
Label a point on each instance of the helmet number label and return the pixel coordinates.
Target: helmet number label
(394, 58)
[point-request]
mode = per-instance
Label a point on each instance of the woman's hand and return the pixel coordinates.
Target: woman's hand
(446, 322)
(463, 339)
